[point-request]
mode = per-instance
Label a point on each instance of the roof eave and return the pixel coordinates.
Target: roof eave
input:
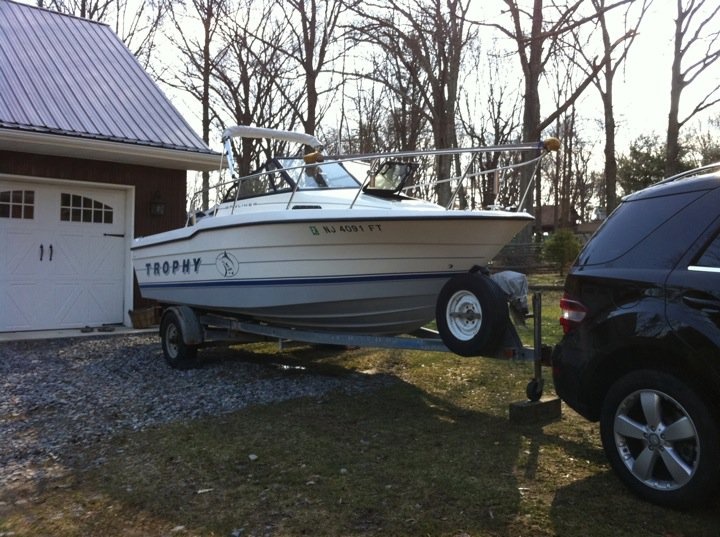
(109, 151)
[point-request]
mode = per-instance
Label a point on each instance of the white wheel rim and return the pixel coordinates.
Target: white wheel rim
(464, 315)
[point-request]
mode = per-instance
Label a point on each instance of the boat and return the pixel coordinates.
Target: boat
(317, 242)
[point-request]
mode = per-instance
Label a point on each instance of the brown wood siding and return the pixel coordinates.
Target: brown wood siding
(149, 182)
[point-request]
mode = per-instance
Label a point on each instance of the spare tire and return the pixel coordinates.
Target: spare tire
(471, 314)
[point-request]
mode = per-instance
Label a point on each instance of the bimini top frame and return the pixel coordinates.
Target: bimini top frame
(316, 158)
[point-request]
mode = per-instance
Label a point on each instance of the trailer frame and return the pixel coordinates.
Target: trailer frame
(184, 329)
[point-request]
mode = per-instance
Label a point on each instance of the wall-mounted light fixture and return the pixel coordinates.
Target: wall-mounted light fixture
(157, 205)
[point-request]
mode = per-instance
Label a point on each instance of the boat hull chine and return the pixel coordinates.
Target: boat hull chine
(388, 305)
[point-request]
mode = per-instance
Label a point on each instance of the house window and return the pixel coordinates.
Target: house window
(17, 204)
(74, 208)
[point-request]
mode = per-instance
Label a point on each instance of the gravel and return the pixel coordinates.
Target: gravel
(59, 396)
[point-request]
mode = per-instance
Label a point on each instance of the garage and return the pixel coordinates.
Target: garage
(92, 154)
(66, 255)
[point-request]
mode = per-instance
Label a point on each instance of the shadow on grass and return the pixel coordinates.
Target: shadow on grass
(405, 459)
(602, 502)
(299, 358)
(397, 462)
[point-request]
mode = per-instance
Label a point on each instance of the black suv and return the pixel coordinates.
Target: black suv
(641, 350)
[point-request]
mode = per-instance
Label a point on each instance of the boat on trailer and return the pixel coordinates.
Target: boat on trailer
(336, 244)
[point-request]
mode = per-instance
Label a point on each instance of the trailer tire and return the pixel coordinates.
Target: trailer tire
(177, 353)
(471, 314)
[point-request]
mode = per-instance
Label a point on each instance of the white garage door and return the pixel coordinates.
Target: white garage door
(62, 256)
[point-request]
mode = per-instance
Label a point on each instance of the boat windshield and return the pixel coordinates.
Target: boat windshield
(282, 174)
(328, 174)
(390, 177)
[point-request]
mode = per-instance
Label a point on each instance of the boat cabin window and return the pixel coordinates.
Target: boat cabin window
(262, 182)
(282, 174)
(390, 178)
(328, 174)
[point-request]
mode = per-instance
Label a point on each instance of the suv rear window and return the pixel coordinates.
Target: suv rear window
(630, 223)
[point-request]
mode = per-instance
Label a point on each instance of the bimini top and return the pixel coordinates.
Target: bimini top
(249, 131)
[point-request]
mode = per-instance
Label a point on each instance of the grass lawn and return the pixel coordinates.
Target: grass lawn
(431, 454)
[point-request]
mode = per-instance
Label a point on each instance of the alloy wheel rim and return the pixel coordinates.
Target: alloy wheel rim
(656, 439)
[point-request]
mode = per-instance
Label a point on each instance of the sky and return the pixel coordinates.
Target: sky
(643, 87)
(642, 99)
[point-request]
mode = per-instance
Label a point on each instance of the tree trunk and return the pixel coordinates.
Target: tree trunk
(672, 149)
(205, 101)
(610, 158)
(531, 117)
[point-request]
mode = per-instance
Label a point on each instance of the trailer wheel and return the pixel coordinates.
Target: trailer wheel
(177, 353)
(471, 314)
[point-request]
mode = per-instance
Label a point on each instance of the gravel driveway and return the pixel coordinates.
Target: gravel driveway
(60, 395)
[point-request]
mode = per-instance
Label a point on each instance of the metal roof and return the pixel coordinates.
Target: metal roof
(64, 75)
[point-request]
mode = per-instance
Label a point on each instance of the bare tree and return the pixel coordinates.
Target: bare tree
(491, 119)
(696, 49)
(563, 76)
(604, 82)
(428, 39)
(538, 39)
(245, 81)
(136, 23)
(370, 132)
(313, 43)
(580, 53)
(583, 183)
(97, 10)
(403, 101)
(377, 121)
(200, 57)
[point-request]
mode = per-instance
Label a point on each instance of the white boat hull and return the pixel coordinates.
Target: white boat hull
(376, 272)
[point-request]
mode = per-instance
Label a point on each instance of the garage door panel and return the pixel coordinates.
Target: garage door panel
(19, 306)
(97, 304)
(70, 257)
(66, 265)
(80, 305)
(22, 254)
(103, 256)
(87, 257)
(69, 309)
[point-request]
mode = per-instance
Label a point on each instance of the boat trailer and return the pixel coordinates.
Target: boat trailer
(184, 329)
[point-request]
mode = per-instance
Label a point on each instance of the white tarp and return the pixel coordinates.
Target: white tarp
(515, 287)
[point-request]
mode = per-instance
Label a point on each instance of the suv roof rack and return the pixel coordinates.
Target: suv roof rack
(690, 173)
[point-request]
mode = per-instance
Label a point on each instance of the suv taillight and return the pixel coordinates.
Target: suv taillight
(573, 313)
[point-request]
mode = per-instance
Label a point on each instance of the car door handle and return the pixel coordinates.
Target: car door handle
(707, 305)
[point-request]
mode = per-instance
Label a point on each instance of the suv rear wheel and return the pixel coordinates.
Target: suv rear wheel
(661, 438)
